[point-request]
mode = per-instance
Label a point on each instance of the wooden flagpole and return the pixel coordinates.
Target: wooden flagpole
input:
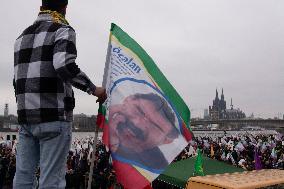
(93, 157)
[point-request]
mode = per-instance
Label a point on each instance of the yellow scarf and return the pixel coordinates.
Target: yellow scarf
(56, 17)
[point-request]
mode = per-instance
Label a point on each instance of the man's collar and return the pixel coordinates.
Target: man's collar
(51, 16)
(44, 17)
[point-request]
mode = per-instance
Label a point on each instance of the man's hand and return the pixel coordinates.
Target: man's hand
(100, 92)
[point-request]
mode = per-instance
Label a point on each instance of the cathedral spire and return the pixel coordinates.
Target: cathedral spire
(216, 94)
(232, 107)
(222, 95)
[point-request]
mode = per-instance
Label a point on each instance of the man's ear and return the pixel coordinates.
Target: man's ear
(168, 140)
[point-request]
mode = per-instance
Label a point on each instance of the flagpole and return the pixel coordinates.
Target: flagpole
(97, 127)
(93, 157)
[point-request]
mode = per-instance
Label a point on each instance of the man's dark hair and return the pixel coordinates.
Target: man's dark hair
(163, 107)
(55, 5)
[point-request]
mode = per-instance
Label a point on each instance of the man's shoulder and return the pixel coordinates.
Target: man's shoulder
(45, 26)
(66, 26)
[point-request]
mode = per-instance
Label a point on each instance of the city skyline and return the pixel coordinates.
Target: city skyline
(198, 45)
(279, 115)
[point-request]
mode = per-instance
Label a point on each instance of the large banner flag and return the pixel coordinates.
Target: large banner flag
(146, 122)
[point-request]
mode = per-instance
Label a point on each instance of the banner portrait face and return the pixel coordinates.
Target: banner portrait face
(140, 120)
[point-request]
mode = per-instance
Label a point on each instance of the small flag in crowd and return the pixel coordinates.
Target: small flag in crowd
(257, 161)
(212, 151)
(198, 166)
(146, 122)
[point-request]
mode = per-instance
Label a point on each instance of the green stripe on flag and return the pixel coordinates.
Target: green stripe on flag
(154, 71)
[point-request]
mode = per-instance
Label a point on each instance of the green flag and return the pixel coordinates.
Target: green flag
(198, 166)
(141, 106)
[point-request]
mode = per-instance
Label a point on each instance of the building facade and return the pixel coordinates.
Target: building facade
(219, 109)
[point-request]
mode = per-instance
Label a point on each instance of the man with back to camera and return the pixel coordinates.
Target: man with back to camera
(44, 70)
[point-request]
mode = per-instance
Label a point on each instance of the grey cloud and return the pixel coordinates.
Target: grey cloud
(199, 45)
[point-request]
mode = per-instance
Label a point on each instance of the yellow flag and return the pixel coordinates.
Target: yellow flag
(212, 151)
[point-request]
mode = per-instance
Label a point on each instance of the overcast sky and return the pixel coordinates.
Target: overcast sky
(200, 45)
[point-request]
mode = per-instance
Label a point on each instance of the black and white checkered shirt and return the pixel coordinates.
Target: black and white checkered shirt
(44, 70)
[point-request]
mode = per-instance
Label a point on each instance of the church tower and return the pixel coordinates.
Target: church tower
(6, 110)
(214, 110)
(223, 102)
(216, 101)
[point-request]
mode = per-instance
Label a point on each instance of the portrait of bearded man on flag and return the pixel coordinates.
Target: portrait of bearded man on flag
(138, 125)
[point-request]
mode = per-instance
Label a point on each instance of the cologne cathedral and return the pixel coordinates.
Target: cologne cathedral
(219, 109)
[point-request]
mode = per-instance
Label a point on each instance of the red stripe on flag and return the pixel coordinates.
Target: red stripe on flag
(186, 133)
(105, 137)
(100, 120)
(129, 177)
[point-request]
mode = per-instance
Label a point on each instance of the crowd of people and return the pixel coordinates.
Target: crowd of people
(78, 165)
(249, 151)
(238, 150)
(7, 162)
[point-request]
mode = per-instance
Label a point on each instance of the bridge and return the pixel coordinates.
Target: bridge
(266, 123)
